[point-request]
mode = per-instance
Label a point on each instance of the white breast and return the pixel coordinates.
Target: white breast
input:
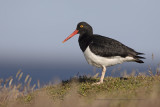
(99, 61)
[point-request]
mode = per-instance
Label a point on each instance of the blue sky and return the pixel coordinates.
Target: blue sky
(32, 31)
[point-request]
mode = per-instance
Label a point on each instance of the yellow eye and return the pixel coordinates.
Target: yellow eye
(81, 26)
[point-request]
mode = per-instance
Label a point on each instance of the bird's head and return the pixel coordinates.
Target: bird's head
(82, 28)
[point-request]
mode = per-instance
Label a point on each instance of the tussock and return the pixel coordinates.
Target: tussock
(10, 92)
(127, 91)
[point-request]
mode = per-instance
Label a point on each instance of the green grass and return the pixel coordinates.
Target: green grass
(111, 87)
(131, 91)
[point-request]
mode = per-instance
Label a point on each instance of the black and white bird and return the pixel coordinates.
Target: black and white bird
(103, 51)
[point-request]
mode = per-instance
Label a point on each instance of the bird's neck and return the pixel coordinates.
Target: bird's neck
(84, 40)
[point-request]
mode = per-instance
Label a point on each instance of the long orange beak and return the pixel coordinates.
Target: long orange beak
(74, 33)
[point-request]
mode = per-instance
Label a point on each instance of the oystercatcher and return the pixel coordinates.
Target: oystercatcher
(103, 51)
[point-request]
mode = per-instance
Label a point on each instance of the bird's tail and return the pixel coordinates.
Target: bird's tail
(138, 58)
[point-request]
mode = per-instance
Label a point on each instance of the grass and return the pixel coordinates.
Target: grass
(130, 90)
(140, 90)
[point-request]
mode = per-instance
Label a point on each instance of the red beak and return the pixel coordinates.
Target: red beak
(74, 33)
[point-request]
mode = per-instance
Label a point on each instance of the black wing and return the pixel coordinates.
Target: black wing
(107, 47)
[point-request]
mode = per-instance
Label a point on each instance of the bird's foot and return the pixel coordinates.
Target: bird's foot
(97, 83)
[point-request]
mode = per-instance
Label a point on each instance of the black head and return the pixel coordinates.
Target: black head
(84, 27)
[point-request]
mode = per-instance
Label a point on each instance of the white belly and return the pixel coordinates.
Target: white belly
(99, 61)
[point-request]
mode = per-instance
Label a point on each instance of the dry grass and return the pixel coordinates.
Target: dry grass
(53, 96)
(10, 92)
(130, 90)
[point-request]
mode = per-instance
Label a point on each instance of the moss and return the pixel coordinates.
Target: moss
(117, 89)
(128, 87)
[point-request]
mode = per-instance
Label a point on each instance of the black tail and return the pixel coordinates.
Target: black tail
(138, 53)
(139, 61)
(137, 58)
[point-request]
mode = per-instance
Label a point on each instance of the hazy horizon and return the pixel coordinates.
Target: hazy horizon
(31, 32)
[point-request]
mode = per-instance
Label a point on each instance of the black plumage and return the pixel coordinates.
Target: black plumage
(107, 47)
(103, 51)
(104, 46)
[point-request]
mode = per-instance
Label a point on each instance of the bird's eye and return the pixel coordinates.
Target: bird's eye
(81, 26)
